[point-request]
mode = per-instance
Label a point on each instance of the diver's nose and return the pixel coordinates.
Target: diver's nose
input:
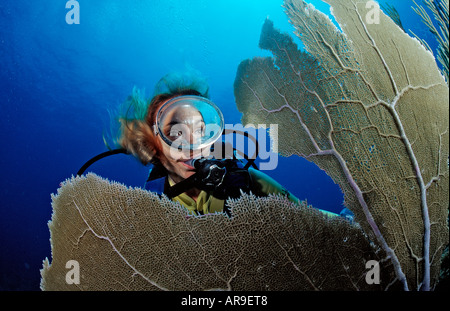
(194, 136)
(189, 137)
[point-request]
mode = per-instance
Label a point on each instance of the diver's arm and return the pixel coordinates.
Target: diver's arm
(264, 185)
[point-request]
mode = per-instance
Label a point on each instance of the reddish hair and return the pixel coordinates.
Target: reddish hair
(138, 136)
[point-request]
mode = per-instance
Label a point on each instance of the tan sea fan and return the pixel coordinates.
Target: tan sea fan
(369, 106)
(130, 239)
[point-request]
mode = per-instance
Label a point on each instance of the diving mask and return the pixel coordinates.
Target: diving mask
(189, 122)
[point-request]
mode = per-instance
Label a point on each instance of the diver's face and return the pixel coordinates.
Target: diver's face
(184, 127)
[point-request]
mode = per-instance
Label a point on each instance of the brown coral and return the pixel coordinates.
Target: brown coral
(370, 107)
(130, 239)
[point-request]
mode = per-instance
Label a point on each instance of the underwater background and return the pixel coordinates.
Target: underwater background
(57, 82)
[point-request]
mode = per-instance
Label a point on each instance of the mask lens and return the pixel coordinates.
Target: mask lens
(189, 123)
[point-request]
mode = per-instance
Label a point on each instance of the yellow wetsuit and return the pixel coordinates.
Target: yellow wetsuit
(206, 203)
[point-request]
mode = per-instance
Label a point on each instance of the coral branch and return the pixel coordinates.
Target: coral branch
(365, 110)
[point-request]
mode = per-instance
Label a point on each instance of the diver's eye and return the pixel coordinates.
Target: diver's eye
(199, 131)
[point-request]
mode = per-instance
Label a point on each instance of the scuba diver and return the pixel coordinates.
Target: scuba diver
(176, 136)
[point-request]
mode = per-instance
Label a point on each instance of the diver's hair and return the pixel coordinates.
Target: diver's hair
(137, 116)
(138, 136)
(176, 82)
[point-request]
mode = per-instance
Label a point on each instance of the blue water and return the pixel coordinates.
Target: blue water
(58, 80)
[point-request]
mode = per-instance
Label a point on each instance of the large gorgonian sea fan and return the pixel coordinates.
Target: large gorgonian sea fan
(370, 107)
(131, 239)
